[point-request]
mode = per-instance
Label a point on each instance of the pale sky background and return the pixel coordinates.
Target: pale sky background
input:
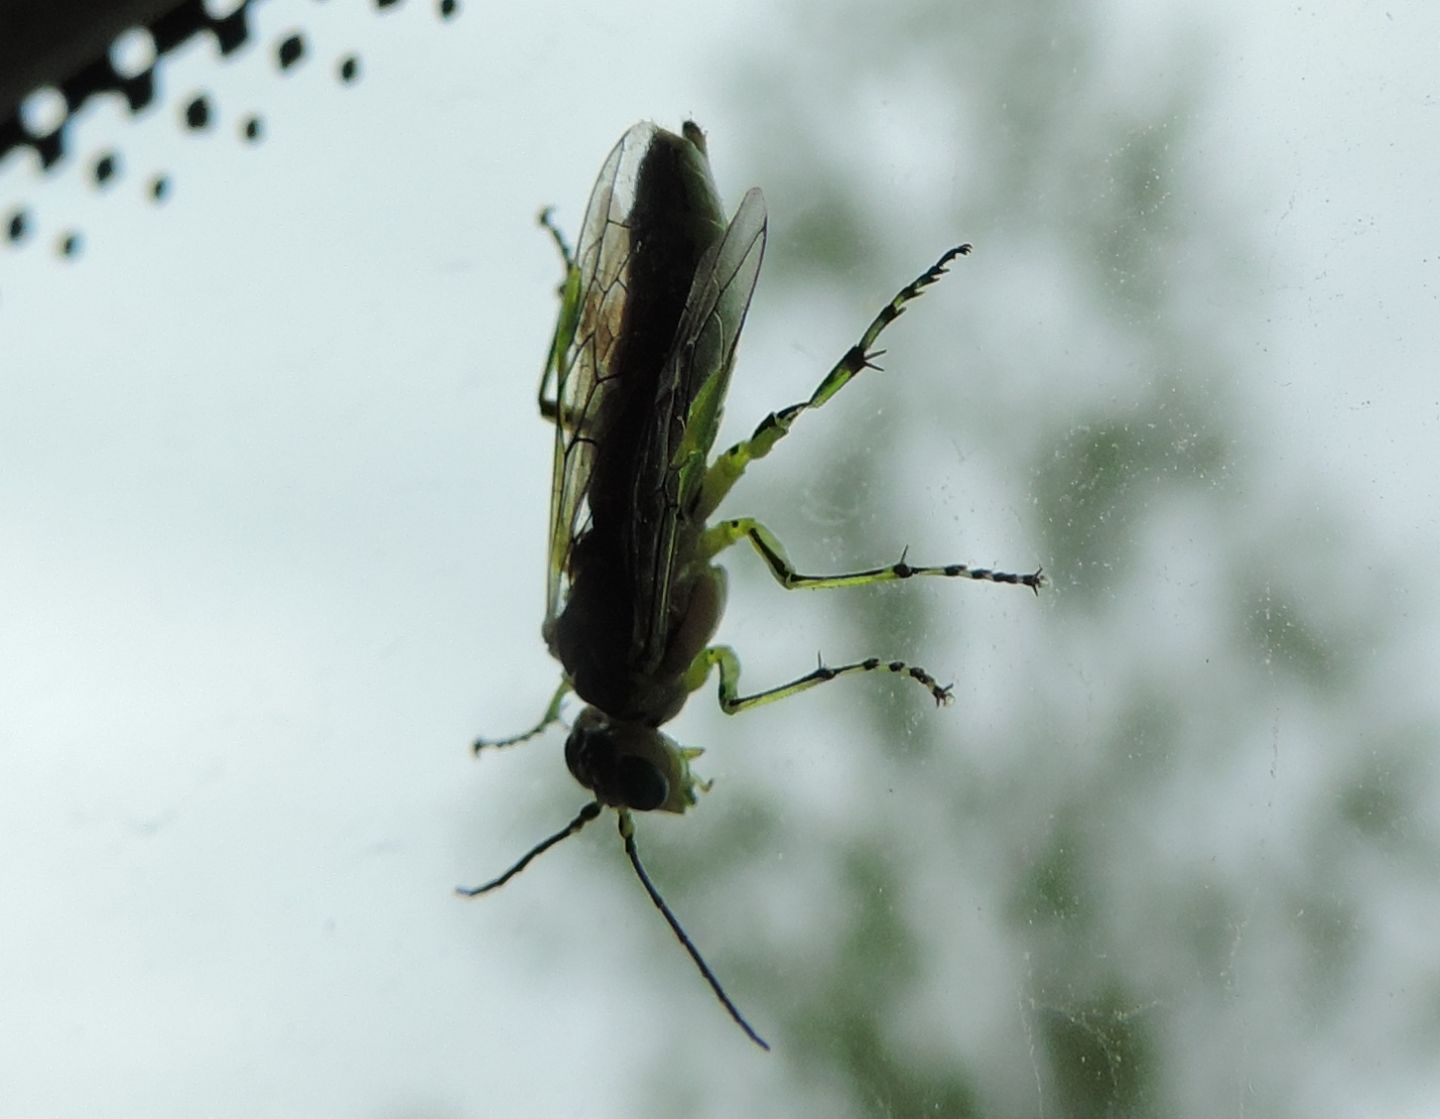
(272, 526)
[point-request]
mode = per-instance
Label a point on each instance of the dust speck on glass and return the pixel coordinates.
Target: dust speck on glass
(652, 306)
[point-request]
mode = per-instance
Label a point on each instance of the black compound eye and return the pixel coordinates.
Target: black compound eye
(641, 784)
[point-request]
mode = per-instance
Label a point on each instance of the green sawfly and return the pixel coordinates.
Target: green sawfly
(654, 296)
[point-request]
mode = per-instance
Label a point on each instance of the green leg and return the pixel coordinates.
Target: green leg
(722, 535)
(552, 715)
(723, 658)
(726, 470)
(548, 223)
(565, 325)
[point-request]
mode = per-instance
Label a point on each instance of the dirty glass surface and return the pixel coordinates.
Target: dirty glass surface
(273, 497)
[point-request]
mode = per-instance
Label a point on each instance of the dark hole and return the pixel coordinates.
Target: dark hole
(291, 51)
(105, 167)
(197, 113)
(159, 188)
(70, 245)
(18, 225)
(448, 8)
(253, 129)
(349, 68)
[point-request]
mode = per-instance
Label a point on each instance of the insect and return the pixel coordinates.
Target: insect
(652, 304)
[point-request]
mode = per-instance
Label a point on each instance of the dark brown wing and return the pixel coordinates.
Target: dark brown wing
(689, 397)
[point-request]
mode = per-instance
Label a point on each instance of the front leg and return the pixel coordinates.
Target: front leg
(552, 715)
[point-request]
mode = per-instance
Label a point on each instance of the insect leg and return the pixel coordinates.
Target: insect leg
(627, 833)
(552, 715)
(722, 535)
(565, 325)
(547, 222)
(726, 470)
(723, 658)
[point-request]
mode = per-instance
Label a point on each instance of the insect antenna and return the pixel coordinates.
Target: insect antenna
(588, 813)
(627, 833)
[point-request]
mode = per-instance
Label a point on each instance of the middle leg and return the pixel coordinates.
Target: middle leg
(726, 533)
